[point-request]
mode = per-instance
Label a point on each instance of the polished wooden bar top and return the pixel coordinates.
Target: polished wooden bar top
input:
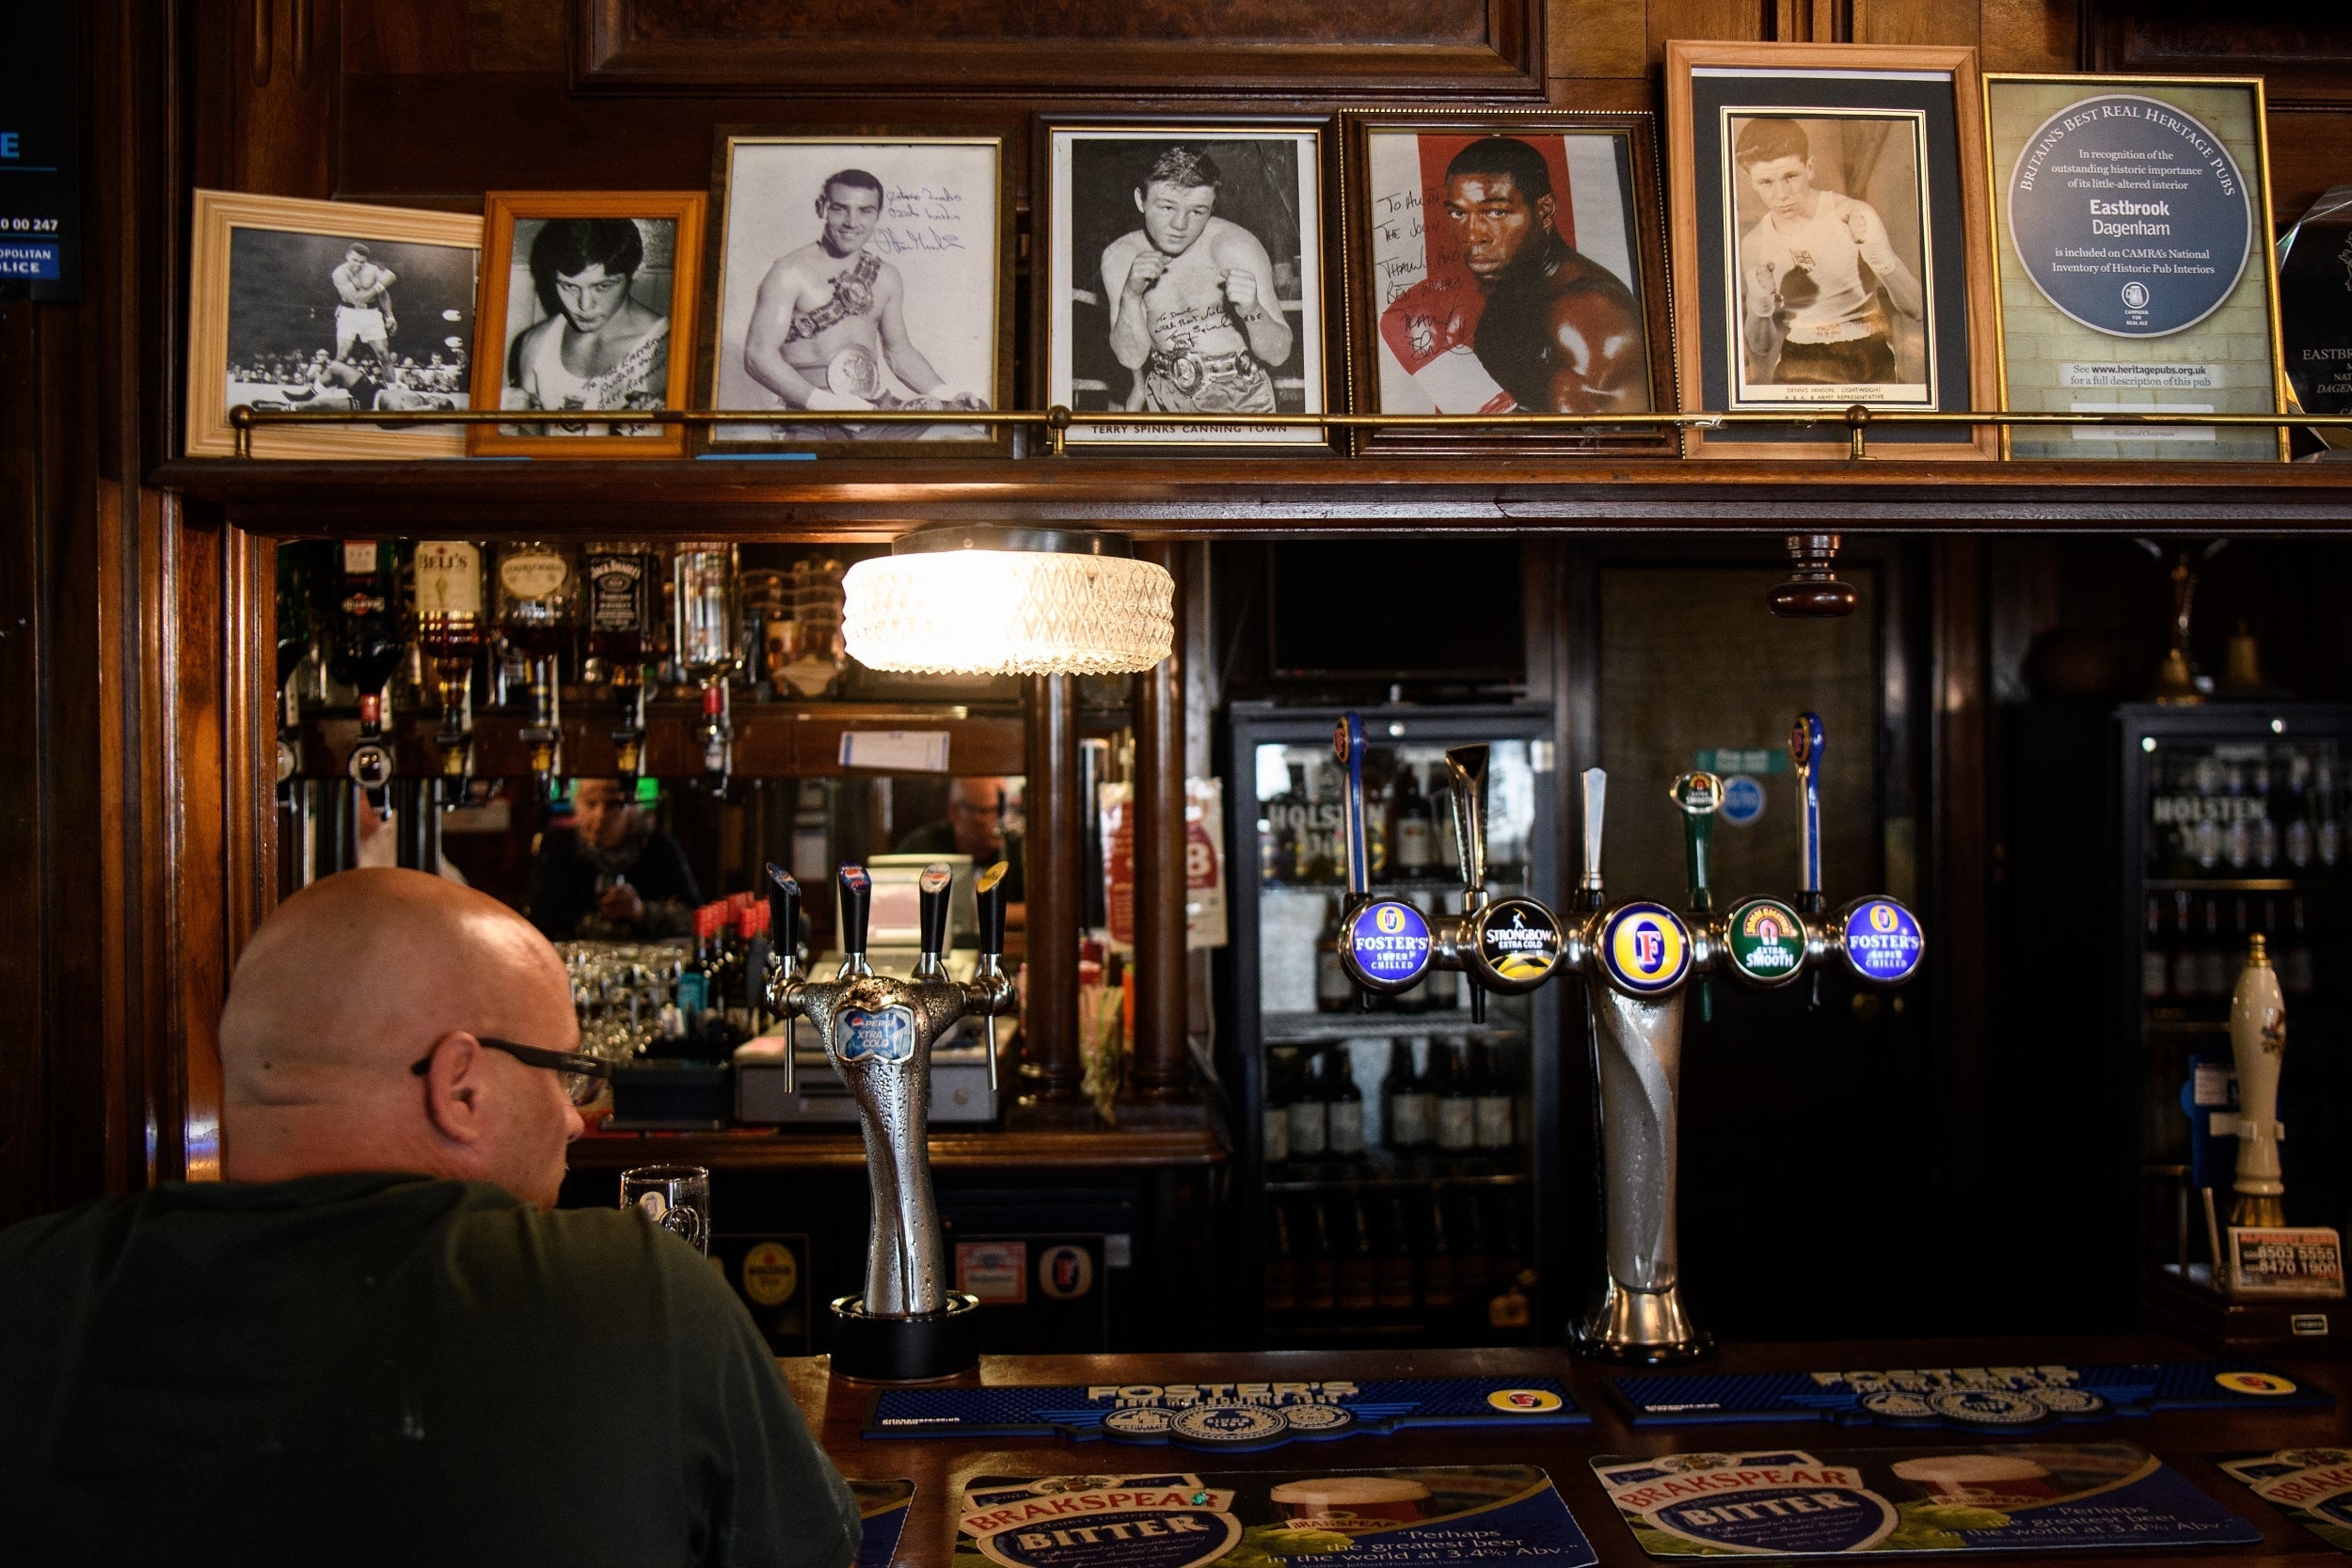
(941, 1468)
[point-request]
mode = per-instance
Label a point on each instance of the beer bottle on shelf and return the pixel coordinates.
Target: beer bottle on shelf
(2212, 958)
(1404, 1101)
(1440, 1281)
(2296, 976)
(1416, 850)
(1394, 1271)
(2237, 838)
(1359, 1276)
(451, 627)
(368, 645)
(1334, 992)
(2188, 982)
(1325, 857)
(2298, 811)
(1310, 1132)
(1274, 840)
(1318, 1270)
(2205, 838)
(2156, 964)
(1274, 1116)
(1298, 826)
(1491, 1102)
(1346, 1104)
(2328, 837)
(1282, 1267)
(2265, 820)
(1456, 1105)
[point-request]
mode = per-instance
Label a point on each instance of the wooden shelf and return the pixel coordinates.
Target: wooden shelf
(1059, 1138)
(1179, 495)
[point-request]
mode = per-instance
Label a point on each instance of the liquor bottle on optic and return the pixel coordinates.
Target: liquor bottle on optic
(538, 615)
(368, 648)
(445, 577)
(623, 591)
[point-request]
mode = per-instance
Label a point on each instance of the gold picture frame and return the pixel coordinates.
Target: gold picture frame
(266, 309)
(537, 249)
(2133, 369)
(1910, 324)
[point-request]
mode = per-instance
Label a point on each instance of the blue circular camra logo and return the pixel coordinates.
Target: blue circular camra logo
(1391, 942)
(2135, 295)
(1882, 942)
(1743, 800)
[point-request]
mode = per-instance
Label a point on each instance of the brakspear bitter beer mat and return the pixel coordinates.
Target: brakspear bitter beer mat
(2007, 1400)
(1229, 1417)
(2003, 1498)
(2310, 1486)
(881, 1508)
(1426, 1515)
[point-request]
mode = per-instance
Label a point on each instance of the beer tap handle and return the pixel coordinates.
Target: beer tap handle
(1466, 771)
(932, 889)
(1698, 795)
(857, 892)
(784, 963)
(1806, 742)
(1347, 745)
(1595, 805)
(988, 892)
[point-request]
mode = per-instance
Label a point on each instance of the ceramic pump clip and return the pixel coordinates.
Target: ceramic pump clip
(1507, 945)
(878, 1032)
(1637, 958)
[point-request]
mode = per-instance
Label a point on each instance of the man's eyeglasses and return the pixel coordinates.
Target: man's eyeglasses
(582, 1075)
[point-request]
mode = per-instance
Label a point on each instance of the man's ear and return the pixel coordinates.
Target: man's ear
(1138, 198)
(1546, 208)
(453, 1088)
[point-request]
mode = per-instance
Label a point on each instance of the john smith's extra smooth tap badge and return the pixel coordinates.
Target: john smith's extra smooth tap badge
(1645, 948)
(1391, 942)
(1764, 940)
(1882, 941)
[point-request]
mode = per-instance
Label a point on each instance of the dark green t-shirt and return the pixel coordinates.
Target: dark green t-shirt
(391, 1369)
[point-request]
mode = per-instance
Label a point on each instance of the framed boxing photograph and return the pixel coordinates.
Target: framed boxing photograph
(1827, 224)
(1181, 271)
(330, 305)
(588, 303)
(2130, 222)
(861, 271)
(1510, 264)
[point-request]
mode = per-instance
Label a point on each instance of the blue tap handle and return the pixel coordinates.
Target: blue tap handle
(1347, 745)
(1806, 742)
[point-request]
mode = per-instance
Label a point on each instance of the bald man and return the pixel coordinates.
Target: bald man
(374, 1342)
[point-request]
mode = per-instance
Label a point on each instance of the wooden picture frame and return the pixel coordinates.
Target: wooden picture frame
(1415, 307)
(1900, 124)
(1276, 175)
(2170, 232)
(271, 323)
(554, 337)
(917, 207)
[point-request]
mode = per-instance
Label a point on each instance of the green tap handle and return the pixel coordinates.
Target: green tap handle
(1699, 796)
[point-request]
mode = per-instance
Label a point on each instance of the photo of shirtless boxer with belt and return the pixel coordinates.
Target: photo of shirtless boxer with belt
(830, 317)
(1193, 307)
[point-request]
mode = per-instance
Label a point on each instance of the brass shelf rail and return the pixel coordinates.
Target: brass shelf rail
(1856, 420)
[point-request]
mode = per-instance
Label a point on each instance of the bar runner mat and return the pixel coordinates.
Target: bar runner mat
(1966, 1399)
(2310, 1486)
(1225, 1417)
(1428, 1515)
(881, 1506)
(2010, 1498)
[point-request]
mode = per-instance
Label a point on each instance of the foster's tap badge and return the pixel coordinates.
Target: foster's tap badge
(1882, 942)
(1764, 940)
(886, 1034)
(1645, 948)
(1390, 940)
(1520, 942)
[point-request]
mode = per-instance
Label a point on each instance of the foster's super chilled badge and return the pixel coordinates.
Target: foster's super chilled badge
(1391, 942)
(1765, 941)
(1645, 948)
(1882, 941)
(1520, 940)
(886, 1034)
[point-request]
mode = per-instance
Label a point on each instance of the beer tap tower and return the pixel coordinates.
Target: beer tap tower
(1508, 945)
(1637, 958)
(878, 1032)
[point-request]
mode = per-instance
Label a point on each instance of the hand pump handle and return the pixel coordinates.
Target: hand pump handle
(1807, 741)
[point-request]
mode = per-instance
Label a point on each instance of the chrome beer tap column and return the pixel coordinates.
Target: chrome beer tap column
(1637, 958)
(878, 1032)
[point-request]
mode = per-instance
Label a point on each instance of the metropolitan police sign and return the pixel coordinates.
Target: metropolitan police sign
(2130, 215)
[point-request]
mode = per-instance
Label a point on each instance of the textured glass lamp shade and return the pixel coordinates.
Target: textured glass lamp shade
(1008, 601)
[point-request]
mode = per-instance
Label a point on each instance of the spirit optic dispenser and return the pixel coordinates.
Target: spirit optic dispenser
(878, 1032)
(2258, 1046)
(1636, 959)
(450, 630)
(539, 607)
(703, 632)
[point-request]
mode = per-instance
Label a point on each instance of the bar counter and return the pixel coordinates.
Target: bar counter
(941, 1468)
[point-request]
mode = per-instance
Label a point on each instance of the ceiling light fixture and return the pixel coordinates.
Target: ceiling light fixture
(993, 599)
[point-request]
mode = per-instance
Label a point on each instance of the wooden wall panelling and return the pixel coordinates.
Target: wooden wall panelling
(1051, 875)
(2027, 35)
(2304, 53)
(1596, 38)
(25, 625)
(1162, 1065)
(1911, 22)
(279, 68)
(1961, 869)
(964, 48)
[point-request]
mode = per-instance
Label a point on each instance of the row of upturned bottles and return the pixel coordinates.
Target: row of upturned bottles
(1454, 1112)
(1450, 1264)
(2189, 955)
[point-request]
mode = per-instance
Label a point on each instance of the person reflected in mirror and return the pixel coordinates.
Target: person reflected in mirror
(613, 875)
(979, 809)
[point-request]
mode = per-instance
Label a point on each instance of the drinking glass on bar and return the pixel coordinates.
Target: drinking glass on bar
(675, 1197)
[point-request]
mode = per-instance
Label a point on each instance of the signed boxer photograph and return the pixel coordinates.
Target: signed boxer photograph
(858, 277)
(588, 308)
(1184, 278)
